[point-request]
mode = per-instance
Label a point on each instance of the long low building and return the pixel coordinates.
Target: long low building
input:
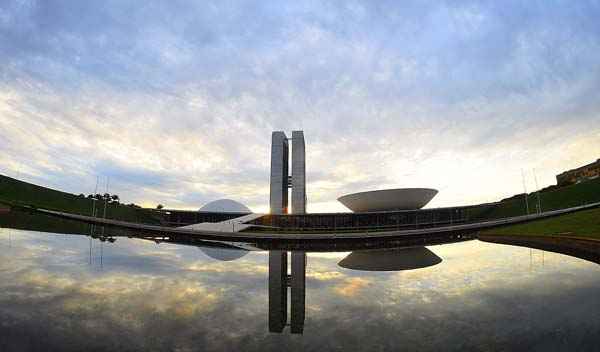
(375, 210)
(336, 222)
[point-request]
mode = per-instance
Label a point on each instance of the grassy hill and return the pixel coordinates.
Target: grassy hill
(581, 224)
(30, 221)
(551, 199)
(13, 191)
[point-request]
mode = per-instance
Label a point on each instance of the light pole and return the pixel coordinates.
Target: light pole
(525, 190)
(539, 202)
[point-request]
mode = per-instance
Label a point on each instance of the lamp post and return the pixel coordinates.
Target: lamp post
(525, 190)
(539, 202)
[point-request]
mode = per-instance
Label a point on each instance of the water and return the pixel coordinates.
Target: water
(58, 293)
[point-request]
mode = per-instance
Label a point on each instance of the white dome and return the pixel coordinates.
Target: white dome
(225, 206)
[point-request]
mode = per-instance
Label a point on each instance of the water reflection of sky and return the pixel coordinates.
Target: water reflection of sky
(144, 296)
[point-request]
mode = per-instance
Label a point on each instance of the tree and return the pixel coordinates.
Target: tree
(160, 206)
(114, 198)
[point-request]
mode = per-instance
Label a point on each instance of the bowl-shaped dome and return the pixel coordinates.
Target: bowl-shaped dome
(388, 199)
(395, 259)
(223, 254)
(225, 206)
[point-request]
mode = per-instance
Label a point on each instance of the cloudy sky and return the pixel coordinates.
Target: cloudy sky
(175, 102)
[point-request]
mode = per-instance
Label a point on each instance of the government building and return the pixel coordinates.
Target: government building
(586, 172)
(370, 210)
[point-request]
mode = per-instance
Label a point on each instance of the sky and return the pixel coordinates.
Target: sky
(174, 102)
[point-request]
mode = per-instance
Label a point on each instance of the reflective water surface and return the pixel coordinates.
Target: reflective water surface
(70, 293)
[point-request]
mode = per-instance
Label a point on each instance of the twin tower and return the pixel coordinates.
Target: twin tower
(281, 180)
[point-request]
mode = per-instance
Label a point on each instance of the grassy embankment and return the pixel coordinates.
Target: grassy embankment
(583, 224)
(17, 192)
(552, 199)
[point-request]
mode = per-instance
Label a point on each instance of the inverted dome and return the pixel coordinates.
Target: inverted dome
(388, 199)
(395, 259)
(223, 254)
(225, 206)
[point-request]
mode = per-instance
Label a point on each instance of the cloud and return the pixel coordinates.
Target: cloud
(351, 286)
(176, 101)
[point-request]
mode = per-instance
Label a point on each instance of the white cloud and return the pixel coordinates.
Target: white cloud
(451, 96)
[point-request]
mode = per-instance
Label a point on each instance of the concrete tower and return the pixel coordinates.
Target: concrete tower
(298, 173)
(280, 177)
(279, 173)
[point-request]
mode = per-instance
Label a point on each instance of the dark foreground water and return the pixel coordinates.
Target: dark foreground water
(58, 293)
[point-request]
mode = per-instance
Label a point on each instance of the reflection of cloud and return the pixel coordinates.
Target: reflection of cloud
(80, 305)
(351, 286)
(169, 294)
(221, 268)
(45, 282)
(51, 299)
(324, 276)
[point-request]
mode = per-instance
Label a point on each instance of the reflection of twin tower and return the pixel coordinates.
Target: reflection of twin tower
(281, 180)
(279, 281)
(284, 283)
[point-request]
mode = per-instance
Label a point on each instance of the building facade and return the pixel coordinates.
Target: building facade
(585, 172)
(279, 183)
(298, 173)
(281, 180)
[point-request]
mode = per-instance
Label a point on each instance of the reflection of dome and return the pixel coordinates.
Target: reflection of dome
(388, 199)
(395, 259)
(223, 254)
(225, 206)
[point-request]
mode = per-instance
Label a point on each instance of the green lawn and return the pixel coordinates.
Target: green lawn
(13, 191)
(558, 198)
(581, 224)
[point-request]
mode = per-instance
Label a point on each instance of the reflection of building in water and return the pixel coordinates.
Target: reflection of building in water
(277, 290)
(393, 259)
(589, 171)
(223, 254)
(298, 283)
(279, 281)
